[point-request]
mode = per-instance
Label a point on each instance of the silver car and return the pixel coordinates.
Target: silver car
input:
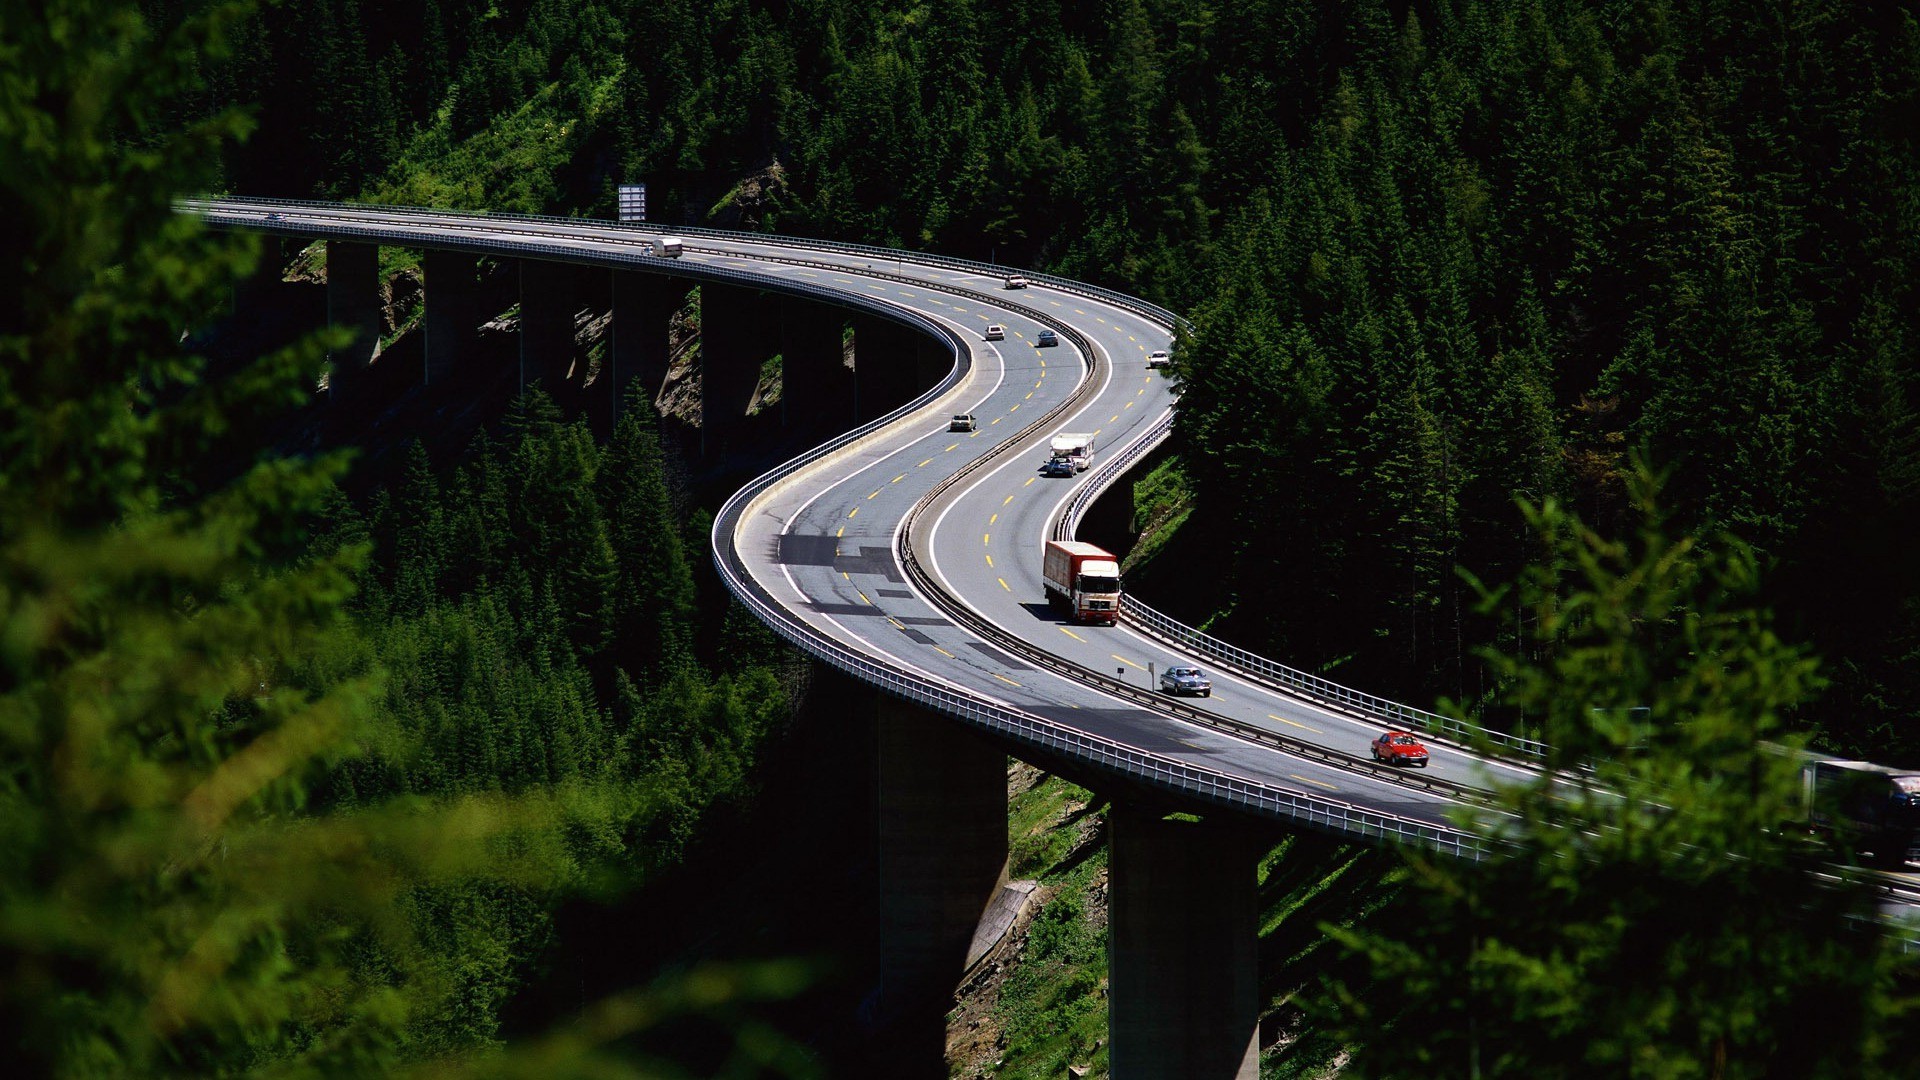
(1186, 680)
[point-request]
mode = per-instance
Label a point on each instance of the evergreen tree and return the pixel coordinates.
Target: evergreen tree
(1649, 906)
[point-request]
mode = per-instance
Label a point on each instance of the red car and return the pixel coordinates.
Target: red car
(1399, 748)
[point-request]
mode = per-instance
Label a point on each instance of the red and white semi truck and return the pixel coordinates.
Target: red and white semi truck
(1083, 580)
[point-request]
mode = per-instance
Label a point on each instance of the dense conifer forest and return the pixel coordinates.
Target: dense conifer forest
(1437, 257)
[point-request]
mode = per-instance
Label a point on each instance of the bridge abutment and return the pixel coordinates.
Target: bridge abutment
(353, 301)
(1182, 947)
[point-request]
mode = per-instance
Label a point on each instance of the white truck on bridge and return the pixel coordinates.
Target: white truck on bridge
(1083, 580)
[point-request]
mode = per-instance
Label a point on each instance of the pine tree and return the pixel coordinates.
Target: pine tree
(1653, 912)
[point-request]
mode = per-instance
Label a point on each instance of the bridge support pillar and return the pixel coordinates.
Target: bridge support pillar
(549, 298)
(887, 364)
(353, 301)
(453, 310)
(941, 807)
(817, 387)
(738, 335)
(641, 344)
(1181, 940)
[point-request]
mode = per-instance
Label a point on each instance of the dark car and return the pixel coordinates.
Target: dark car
(1059, 466)
(1045, 338)
(1399, 748)
(1186, 680)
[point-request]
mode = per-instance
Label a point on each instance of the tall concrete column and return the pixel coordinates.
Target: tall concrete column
(817, 387)
(739, 331)
(886, 362)
(549, 297)
(1181, 941)
(641, 347)
(353, 301)
(453, 310)
(941, 847)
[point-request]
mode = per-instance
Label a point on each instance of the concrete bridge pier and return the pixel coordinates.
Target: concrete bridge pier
(549, 298)
(640, 347)
(817, 387)
(353, 301)
(739, 333)
(1181, 940)
(888, 364)
(941, 854)
(452, 317)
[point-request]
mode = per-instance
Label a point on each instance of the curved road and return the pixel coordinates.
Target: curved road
(820, 547)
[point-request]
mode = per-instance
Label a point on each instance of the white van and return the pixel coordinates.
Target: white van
(996, 332)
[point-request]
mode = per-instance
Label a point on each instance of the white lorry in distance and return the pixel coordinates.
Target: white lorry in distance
(667, 247)
(1075, 447)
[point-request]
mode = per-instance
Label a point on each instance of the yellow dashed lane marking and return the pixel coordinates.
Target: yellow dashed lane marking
(1125, 661)
(853, 511)
(986, 539)
(994, 520)
(1073, 635)
(944, 653)
(1006, 680)
(863, 597)
(877, 491)
(923, 464)
(955, 446)
(1003, 584)
(899, 478)
(1009, 498)
(842, 532)
(1302, 727)
(989, 562)
(1315, 783)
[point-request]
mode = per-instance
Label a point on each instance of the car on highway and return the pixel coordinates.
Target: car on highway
(1186, 680)
(996, 332)
(963, 421)
(1016, 282)
(1158, 359)
(1058, 466)
(273, 215)
(1044, 339)
(1399, 748)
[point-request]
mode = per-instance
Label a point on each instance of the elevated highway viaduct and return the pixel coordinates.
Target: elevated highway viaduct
(907, 555)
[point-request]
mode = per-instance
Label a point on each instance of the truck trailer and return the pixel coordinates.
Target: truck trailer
(1083, 581)
(1874, 810)
(669, 247)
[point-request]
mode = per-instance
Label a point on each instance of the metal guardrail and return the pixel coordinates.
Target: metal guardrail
(1152, 312)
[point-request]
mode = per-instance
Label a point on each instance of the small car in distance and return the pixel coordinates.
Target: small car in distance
(1186, 680)
(1016, 282)
(274, 215)
(964, 421)
(1045, 338)
(996, 332)
(1399, 748)
(1158, 359)
(1058, 466)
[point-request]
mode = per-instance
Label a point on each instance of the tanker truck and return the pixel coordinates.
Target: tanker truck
(1083, 581)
